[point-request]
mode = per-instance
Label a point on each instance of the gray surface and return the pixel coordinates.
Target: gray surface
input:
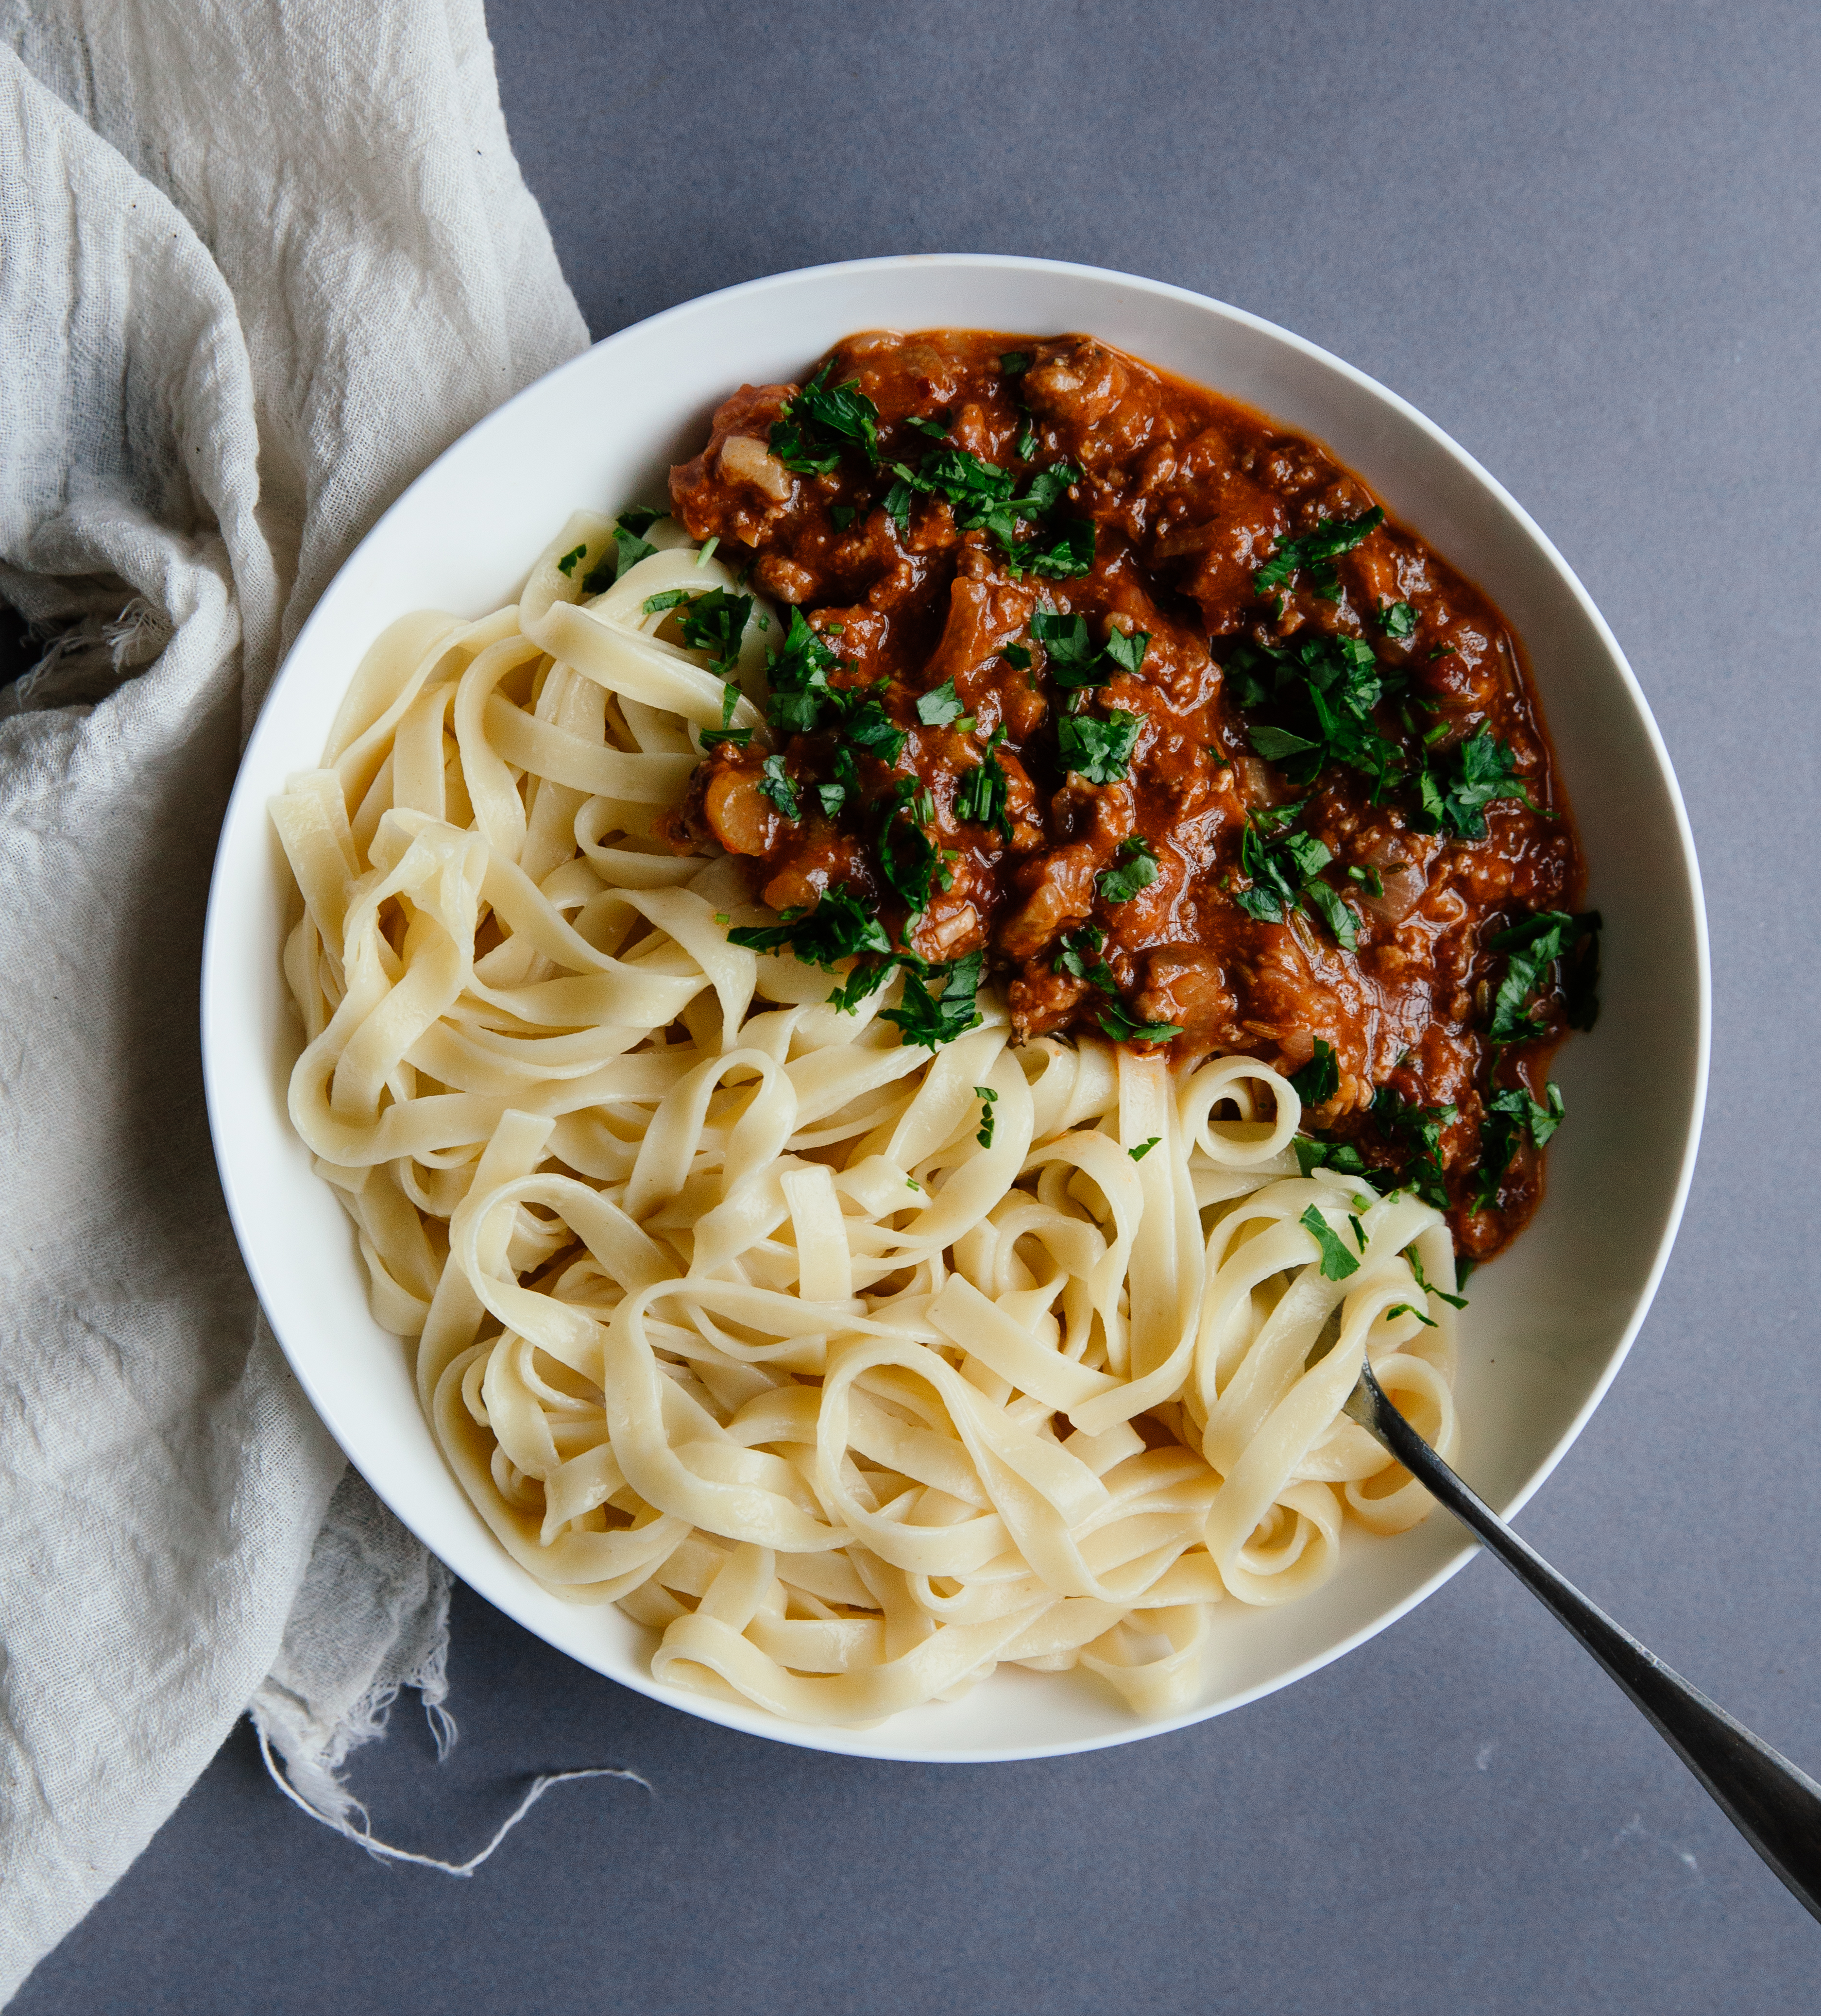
(1582, 237)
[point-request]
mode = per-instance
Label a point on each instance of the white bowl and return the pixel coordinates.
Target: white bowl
(1550, 1323)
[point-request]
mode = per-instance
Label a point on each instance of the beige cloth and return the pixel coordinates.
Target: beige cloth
(258, 264)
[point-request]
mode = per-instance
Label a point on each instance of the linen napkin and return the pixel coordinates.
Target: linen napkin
(258, 264)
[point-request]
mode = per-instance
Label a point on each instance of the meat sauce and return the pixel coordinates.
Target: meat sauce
(1266, 710)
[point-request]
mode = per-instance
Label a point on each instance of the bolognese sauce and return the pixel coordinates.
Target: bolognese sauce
(1099, 683)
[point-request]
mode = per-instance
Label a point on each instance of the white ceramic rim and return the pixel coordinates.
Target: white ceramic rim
(217, 1001)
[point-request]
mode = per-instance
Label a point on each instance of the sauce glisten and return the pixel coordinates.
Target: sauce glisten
(1189, 496)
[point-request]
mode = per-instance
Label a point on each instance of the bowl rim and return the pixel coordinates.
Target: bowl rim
(217, 993)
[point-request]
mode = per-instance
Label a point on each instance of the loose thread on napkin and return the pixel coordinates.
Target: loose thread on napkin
(363, 1835)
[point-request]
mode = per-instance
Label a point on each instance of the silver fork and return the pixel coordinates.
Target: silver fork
(1776, 1806)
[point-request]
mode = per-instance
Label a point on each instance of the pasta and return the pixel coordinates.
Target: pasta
(849, 1369)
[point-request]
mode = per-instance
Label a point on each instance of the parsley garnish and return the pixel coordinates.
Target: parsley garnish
(628, 548)
(1315, 553)
(906, 853)
(1027, 442)
(712, 738)
(1337, 1263)
(1508, 1115)
(1134, 867)
(1482, 771)
(988, 1099)
(839, 927)
(931, 1021)
(981, 496)
(1409, 1309)
(1286, 872)
(941, 708)
(777, 786)
(1341, 683)
(1079, 955)
(1397, 619)
(982, 793)
(566, 564)
(1017, 657)
(1338, 916)
(1098, 750)
(1074, 663)
(1315, 1154)
(868, 726)
(796, 671)
(1421, 1127)
(816, 425)
(1015, 363)
(843, 515)
(1319, 1079)
(655, 605)
(713, 622)
(1534, 945)
(1144, 1148)
(1430, 1288)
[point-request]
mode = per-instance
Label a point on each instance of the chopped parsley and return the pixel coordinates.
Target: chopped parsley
(712, 738)
(1479, 771)
(1144, 1148)
(843, 515)
(566, 564)
(1534, 946)
(796, 671)
(1134, 867)
(941, 708)
(1397, 619)
(1017, 657)
(1075, 663)
(867, 725)
(839, 927)
(1331, 685)
(777, 786)
(983, 497)
(1286, 872)
(1420, 1127)
(1312, 1153)
(821, 421)
(1430, 1288)
(1510, 1115)
(931, 1019)
(1337, 1263)
(1098, 750)
(983, 793)
(1015, 363)
(1410, 1309)
(910, 859)
(1080, 957)
(628, 548)
(1315, 554)
(715, 623)
(1027, 442)
(1319, 1079)
(988, 1099)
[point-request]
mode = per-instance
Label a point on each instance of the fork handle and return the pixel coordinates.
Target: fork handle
(1775, 1805)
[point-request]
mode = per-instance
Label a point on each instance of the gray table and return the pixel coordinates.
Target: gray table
(1583, 237)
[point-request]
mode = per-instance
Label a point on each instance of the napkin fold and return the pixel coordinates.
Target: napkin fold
(258, 264)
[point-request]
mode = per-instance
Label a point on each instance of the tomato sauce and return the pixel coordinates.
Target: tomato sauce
(1283, 789)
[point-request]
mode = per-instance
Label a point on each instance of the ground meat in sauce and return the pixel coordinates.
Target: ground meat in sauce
(1189, 495)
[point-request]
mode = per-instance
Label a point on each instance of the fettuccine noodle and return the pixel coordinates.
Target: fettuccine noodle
(722, 1310)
